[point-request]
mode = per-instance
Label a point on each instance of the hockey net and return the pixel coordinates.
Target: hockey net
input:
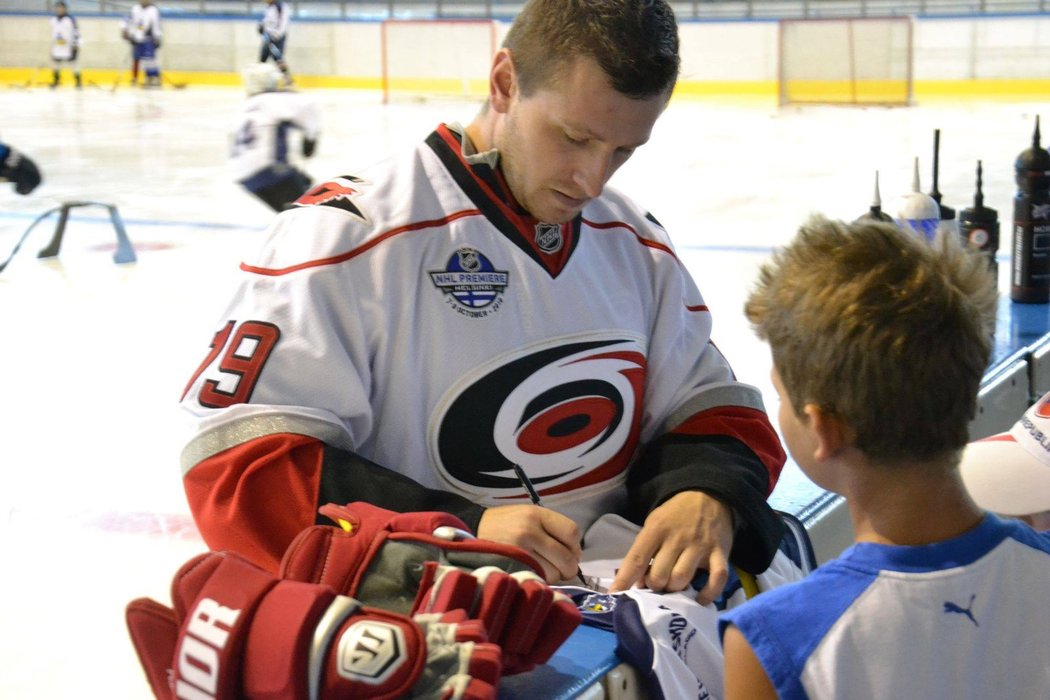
(846, 61)
(429, 59)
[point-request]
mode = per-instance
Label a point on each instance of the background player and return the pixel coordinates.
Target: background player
(274, 30)
(411, 332)
(877, 393)
(65, 43)
(259, 152)
(141, 27)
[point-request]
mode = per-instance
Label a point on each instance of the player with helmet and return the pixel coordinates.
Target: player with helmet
(260, 145)
(414, 333)
(141, 28)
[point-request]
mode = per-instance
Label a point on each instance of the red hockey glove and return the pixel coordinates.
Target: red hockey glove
(238, 632)
(428, 562)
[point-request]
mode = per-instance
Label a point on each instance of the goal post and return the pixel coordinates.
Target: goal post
(440, 58)
(850, 60)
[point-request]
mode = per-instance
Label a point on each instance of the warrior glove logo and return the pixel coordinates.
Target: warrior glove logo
(370, 651)
(198, 654)
(474, 287)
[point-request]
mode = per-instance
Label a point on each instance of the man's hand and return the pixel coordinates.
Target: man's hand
(551, 538)
(689, 531)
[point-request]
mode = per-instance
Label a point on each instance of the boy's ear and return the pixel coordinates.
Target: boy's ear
(830, 432)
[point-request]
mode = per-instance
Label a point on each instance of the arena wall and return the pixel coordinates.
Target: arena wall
(992, 56)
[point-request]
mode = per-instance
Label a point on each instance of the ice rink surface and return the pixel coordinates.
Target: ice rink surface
(95, 355)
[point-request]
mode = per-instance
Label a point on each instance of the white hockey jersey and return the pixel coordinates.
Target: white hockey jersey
(262, 136)
(65, 37)
(276, 20)
(409, 314)
(142, 22)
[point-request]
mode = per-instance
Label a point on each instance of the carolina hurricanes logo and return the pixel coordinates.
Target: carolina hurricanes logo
(568, 413)
(336, 193)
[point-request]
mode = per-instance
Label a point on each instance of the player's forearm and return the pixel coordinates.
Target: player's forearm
(346, 477)
(724, 467)
(255, 497)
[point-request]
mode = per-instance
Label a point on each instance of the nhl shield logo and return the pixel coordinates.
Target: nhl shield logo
(548, 237)
(472, 284)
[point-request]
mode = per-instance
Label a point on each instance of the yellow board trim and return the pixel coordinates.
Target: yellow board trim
(818, 91)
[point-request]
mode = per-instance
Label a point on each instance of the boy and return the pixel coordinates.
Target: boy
(141, 28)
(65, 44)
(879, 342)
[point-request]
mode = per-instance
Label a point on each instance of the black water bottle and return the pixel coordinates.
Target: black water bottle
(875, 212)
(979, 226)
(1030, 274)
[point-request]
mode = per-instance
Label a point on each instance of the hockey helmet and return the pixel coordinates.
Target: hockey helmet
(262, 77)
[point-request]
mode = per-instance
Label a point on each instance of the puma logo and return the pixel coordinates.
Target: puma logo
(950, 607)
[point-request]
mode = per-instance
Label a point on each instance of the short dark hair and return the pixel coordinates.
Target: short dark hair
(635, 42)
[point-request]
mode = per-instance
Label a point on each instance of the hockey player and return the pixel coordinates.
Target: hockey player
(260, 145)
(18, 168)
(877, 393)
(274, 31)
(411, 332)
(65, 43)
(141, 28)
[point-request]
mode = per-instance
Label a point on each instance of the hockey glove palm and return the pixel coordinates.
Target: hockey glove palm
(428, 562)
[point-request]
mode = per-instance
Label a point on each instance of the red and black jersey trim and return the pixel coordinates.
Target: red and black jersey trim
(487, 190)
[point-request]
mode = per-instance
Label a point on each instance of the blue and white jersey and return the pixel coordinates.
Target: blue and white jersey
(964, 618)
(262, 136)
(142, 23)
(65, 38)
(275, 20)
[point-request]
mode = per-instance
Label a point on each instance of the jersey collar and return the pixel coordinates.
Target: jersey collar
(479, 176)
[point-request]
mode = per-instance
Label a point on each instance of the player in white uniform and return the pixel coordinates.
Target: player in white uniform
(261, 143)
(412, 331)
(274, 30)
(141, 27)
(879, 342)
(65, 43)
